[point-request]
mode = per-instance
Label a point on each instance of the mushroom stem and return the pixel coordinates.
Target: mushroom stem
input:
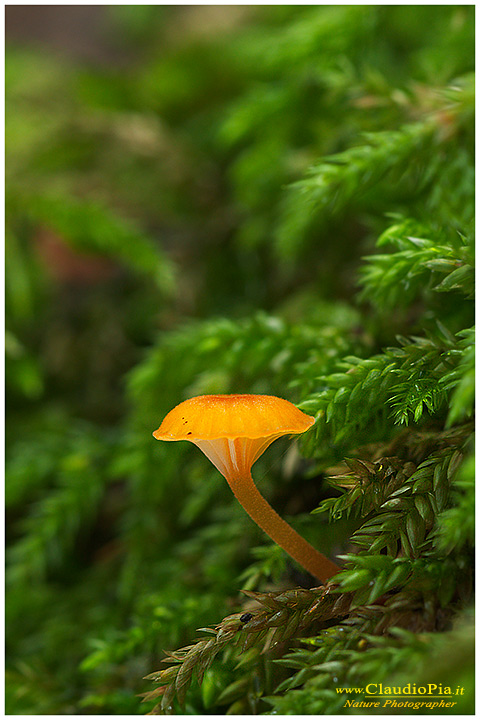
(265, 516)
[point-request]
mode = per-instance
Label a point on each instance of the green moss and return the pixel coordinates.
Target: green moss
(269, 200)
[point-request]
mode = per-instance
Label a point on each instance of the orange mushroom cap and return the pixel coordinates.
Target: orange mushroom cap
(233, 430)
(209, 417)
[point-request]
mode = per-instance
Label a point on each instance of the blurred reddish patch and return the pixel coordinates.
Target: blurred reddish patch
(64, 264)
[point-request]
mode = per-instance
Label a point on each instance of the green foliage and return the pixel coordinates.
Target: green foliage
(354, 656)
(281, 616)
(332, 185)
(90, 228)
(392, 280)
(263, 199)
(455, 526)
(72, 469)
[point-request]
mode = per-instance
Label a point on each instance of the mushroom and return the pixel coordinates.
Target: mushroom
(233, 431)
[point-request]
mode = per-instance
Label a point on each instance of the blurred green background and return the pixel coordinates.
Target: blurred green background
(174, 229)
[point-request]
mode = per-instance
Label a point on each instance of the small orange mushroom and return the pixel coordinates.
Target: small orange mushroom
(233, 431)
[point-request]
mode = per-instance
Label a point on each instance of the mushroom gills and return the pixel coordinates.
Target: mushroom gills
(234, 458)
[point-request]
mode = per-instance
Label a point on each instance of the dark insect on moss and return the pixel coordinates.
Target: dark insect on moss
(246, 617)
